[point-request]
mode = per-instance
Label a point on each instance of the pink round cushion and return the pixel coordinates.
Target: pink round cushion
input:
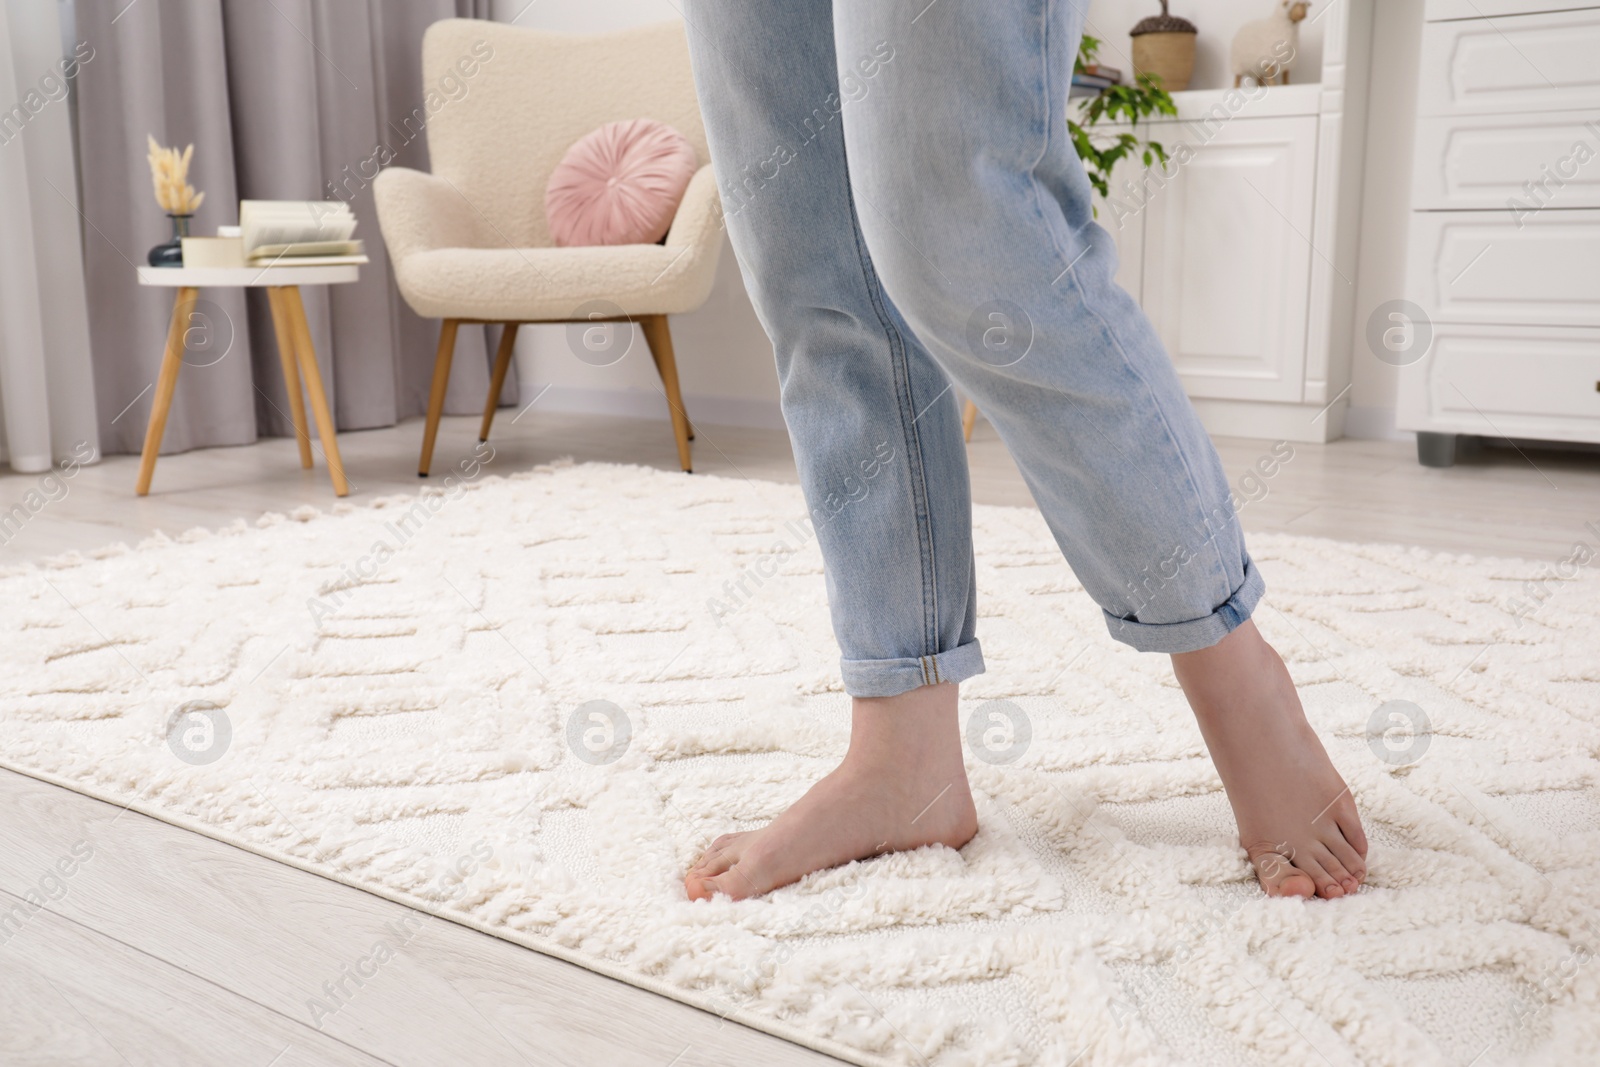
(619, 185)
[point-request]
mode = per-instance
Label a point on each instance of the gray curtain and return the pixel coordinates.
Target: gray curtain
(47, 408)
(283, 100)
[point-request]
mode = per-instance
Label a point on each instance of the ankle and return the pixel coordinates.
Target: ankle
(1233, 667)
(916, 729)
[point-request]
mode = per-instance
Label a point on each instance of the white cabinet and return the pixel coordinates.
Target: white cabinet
(1492, 162)
(1519, 63)
(1496, 268)
(1503, 255)
(1243, 249)
(1526, 383)
(1442, 10)
(1227, 263)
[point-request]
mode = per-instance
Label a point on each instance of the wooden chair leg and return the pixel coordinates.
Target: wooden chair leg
(166, 383)
(660, 341)
(502, 363)
(969, 419)
(295, 311)
(284, 331)
(441, 382)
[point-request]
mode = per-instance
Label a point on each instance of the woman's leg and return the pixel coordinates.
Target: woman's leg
(978, 217)
(877, 440)
(875, 425)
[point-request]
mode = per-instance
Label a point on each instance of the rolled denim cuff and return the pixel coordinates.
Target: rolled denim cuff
(1193, 634)
(891, 677)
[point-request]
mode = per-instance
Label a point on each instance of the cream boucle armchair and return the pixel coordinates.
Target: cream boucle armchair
(469, 242)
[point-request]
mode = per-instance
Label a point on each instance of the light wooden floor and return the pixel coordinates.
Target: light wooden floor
(169, 948)
(1523, 501)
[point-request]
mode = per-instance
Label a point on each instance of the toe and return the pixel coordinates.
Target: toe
(1349, 859)
(725, 840)
(699, 888)
(734, 882)
(721, 855)
(1279, 877)
(1309, 865)
(1329, 862)
(726, 870)
(1349, 823)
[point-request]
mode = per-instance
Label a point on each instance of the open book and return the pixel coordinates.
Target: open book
(303, 232)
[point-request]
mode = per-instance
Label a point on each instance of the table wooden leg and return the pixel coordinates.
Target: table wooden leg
(283, 329)
(296, 313)
(166, 382)
(502, 363)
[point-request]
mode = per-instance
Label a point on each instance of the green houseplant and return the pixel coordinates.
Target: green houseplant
(1101, 152)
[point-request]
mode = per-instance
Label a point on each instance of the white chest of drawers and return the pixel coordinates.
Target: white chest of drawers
(1504, 244)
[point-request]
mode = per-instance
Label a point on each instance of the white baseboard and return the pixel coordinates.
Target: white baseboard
(1235, 418)
(649, 404)
(1270, 420)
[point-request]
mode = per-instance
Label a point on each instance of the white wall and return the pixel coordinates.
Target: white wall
(724, 358)
(1385, 210)
(1217, 21)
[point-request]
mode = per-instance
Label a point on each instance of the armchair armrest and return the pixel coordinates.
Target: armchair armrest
(699, 217)
(418, 212)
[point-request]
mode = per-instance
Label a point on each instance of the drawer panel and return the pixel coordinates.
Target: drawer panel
(1506, 381)
(1489, 267)
(1438, 10)
(1490, 161)
(1522, 63)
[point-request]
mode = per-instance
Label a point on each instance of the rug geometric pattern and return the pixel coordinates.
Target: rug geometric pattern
(526, 703)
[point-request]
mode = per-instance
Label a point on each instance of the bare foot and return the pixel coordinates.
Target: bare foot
(1296, 817)
(902, 785)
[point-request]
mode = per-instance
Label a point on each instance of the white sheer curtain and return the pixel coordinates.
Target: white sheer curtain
(47, 403)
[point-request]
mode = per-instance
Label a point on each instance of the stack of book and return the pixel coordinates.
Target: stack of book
(281, 233)
(1092, 79)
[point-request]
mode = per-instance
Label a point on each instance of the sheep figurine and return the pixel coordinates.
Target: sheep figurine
(1265, 49)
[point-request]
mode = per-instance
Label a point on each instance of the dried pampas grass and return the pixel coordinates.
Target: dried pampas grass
(169, 170)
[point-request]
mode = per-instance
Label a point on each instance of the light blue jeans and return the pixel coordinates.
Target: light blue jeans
(909, 213)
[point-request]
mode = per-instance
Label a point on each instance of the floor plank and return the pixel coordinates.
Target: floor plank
(1524, 501)
(75, 996)
(266, 939)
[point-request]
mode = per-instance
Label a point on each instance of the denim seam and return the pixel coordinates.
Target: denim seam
(1083, 296)
(1183, 456)
(881, 675)
(910, 438)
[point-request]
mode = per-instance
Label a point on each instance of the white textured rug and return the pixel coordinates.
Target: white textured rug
(403, 686)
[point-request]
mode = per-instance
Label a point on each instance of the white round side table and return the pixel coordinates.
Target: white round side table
(295, 352)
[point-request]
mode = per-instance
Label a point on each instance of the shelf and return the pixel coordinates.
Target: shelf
(1272, 101)
(1258, 101)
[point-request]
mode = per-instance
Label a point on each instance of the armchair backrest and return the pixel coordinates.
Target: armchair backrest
(510, 102)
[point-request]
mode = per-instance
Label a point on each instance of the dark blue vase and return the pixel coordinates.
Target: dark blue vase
(171, 253)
